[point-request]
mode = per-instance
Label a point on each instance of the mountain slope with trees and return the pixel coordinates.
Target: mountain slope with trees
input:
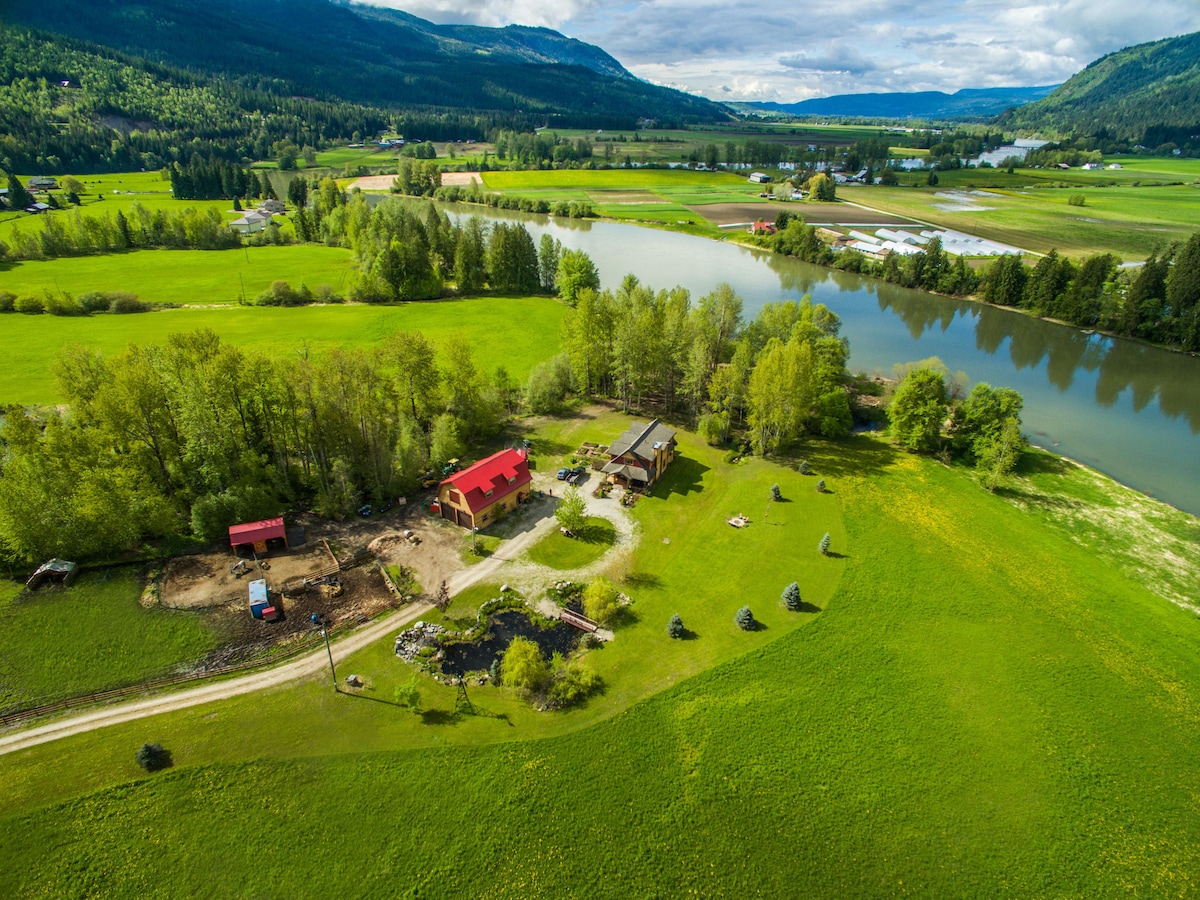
(329, 51)
(969, 103)
(1149, 94)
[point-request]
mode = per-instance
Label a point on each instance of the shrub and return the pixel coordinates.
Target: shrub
(63, 305)
(821, 486)
(601, 600)
(776, 495)
(95, 301)
(791, 597)
(6, 301)
(803, 467)
(523, 667)
(824, 545)
(1077, 200)
(744, 619)
(128, 303)
(571, 681)
(675, 626)
(408, 694)
(153, 757)
(29, 304)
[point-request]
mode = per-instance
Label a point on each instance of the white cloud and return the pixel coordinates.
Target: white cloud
(789, 53)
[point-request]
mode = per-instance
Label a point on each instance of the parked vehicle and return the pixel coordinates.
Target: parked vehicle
(562, 474)
(365, 510)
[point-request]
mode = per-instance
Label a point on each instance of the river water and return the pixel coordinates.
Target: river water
(1129, 410)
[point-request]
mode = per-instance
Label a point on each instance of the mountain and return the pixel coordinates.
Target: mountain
(1149, 93)
(968, 103)
(369, 55)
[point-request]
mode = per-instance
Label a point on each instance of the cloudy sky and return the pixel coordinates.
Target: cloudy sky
(791, 52)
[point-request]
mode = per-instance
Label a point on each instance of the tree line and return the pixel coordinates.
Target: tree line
(195, 435)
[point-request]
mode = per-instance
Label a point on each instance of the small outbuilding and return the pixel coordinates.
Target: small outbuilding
(759, 178)
(256, 534)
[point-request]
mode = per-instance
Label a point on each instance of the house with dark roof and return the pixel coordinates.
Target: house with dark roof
(486, 491)
(641, 455)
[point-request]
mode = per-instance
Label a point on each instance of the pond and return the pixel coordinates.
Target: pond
(478, 656)
(1127, 409)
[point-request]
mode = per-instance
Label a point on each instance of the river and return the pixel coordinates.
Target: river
(1129, 410)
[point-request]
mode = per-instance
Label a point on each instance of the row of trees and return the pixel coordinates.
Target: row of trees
(195, 435)
(1159, 302)
(209, 178)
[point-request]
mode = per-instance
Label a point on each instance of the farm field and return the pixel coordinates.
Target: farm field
(966, 716)
(1125, 220)
(185, 276)
(91, 636)
(509, 331)
(110, 193)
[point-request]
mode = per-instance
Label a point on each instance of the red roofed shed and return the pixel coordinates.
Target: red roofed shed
(482, 493)
(258, 533)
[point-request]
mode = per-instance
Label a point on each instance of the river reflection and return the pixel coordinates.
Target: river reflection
(1131, 410)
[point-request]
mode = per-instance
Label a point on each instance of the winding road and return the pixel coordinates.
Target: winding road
(303, 667)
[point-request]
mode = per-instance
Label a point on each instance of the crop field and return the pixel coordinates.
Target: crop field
(1125, 220)
(967, 716)
(511, 331)
(60, 642)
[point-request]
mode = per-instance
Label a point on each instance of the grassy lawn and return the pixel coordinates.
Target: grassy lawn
(185, 276)
(94, 635)
(967, 717)
(560, 552)
(511, 331)
(1129, 221)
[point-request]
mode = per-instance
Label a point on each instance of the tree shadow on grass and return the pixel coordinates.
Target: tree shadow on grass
(806, 607)
(643, 580)
(439, 717)
(360, 695)
(833, 554)
(854, 455)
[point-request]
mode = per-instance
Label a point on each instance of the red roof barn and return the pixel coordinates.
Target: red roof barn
(258, 533)
(487, 490)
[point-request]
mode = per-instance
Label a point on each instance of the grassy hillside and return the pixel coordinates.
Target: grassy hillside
(1148, 93)
(967, 717)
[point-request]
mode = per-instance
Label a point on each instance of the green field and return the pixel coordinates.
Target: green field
(62, 642)
(983, 707)
(185, 276)
(1125, 220)
(509, 331)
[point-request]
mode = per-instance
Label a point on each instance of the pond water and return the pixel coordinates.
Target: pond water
(1129, 410)
(478, 656)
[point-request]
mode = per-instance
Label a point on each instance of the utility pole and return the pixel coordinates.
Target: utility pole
(332, 672)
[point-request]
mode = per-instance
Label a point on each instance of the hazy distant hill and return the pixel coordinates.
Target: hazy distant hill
(364, 54)
(1148, 93)
(969, 103)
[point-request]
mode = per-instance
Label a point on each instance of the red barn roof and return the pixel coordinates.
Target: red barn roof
(253, 532)
(501, 473)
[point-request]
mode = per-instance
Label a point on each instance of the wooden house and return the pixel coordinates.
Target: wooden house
(641, 455)
(482, 493)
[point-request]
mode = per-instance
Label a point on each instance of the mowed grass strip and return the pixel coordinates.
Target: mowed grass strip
(967, 717)
(514, 332)
(94, 635)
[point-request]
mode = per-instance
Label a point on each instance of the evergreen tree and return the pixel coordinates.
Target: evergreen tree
(791, 597)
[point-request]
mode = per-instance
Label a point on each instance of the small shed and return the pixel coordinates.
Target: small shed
(56, 570)
(257, 534)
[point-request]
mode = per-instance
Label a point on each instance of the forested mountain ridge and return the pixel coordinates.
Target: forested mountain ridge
(361, 54)
(1149, 93)
(967, 103)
